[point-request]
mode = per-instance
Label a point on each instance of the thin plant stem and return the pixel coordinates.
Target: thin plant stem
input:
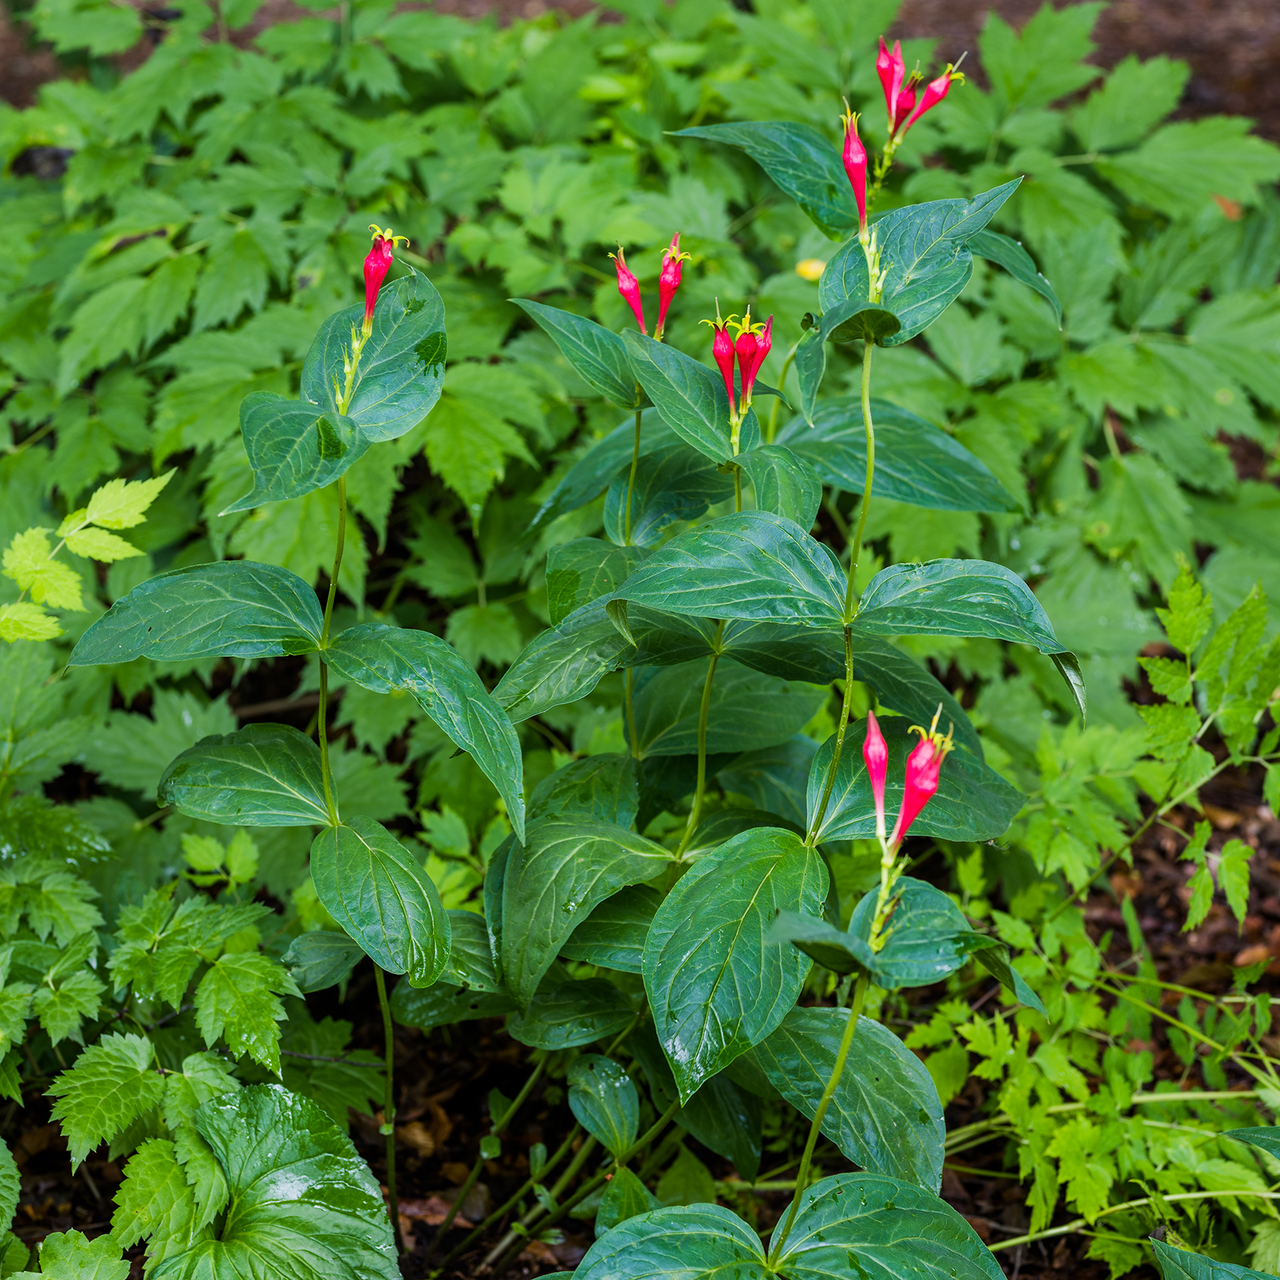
(855, 548)
(389, 1107)
(737, 488)
(629, 707)
(841, 729)
(322, 711)
(842, 1053)
(704, 713)
(499, 1126)
(631, 482)
(777, 400)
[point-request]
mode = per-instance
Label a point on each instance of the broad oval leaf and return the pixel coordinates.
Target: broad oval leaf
(752, 565)
(847, 320)
(803, 162)
(584, 570)
(884, 1115)
(774, 778)
(598, 354)
(602, 787)
(232, 608)
(687, 1242)
(604, 1101)
(470, 956)
(784, 483)
(673, 483)
(374, 888)
(715, 985)
(972, 802)
(881, 1229)
(264, 775)
(915, 461)
(688, 395)
(572, 1014)
(443, 1005)
(1010, 255)
(321, 959)
(387, 659)
(613, 935)
(624, 1197)
(294, 448)
(555, 880)
(303, 1204)
(1181, 1264)
(401, 369)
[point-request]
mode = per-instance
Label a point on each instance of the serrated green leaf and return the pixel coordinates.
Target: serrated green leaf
(69, 1255)
(28, 561)
(237, 1000)
(98, 544)
(61, 1009)
(121, 504)
(155, 1203)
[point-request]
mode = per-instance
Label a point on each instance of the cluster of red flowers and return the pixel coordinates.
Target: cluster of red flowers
(921, 782)
(748, 349)
(668, 283)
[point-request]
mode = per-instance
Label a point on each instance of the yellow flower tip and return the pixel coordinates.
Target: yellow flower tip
(810, 268)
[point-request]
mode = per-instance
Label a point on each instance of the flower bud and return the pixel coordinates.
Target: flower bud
(876, 754)
(934, 93)
(750, 366)
(722, 352)
(923, 767)
(892, 71)
(376, 265)
(629, 287)
(855, 165)
(668, 280)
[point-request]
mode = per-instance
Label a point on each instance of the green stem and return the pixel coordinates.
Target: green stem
(389, 1107)
(629, 707)
(855, 549)
(322, 712)
(704, 713)
(631, 482)
(777, 400)
(802, 1175)
(821, 812)
(737, 488)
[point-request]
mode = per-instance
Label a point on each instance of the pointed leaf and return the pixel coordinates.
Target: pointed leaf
(688, 1242)
(613, 935)
(604, 1101)
(574, 1013)
(673, 483)
(1010, 255)
(585, 569)
(1180, 1264)
(784, 483)
(624, 1197)
(598, 354)
(321, 959)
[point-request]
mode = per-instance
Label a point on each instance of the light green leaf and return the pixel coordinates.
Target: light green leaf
(237, 1000)
(604, 1101)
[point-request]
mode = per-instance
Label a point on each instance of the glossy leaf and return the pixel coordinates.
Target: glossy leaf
(673, 483)
(562, 664)
(784, 483)
(747, 709)
(294, 448)
(443, 1005)
(773, 779)
(1181, 1264)
(572, 1014)
(804, 164)
(915, 462)
(271, 1143)
(624, 1197)
(597, 354)
(687, 1242)
(963, 598)
(613, 935)
(972, 802)
(387, 659)
(584, 570)
(1265, 1138)
(264, 775)
(232, 608)
(665, 639)
(374, 888)
(1010, 255)
(321, 959)
(689, 396)
(884, 1115)
(470, 956)
(604, 1101)
(602, 787)
(401, 369)
(749, 565)
(847, 320)
(715, 985)
(555, 880)
(883, 1229)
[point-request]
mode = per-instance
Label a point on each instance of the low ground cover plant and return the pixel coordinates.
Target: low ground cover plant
(630, 688)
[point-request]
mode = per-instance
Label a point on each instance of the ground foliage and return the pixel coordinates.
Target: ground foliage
(210, 218)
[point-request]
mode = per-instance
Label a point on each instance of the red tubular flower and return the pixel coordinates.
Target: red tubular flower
(923, 766)
(629, 287)
(906, 101)
(892, 71)
(876, 754)
(855, 165)
(751, 366)
(376, 266)
(668, 281)
(722, 352)
(934, 93)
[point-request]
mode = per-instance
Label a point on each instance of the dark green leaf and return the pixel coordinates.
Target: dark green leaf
(601, 787)
(804, 164)
(884, 1115)
(1265, 1138)
(271, 1144)
(264, 775)
(784, 483)
(613, 935)
(598, 354)
(321, 959)
(572, 1014)
(470, 955)
(715, 986)
(372, 886)
(915, 462)
(747, 710)
(749, 565)
(584, 570)
(386, 659)
(775, 778)
(398, 380)
(687, 1242)
(1179, 1264)
(972, 802)
(847, 320)
(624, 1197)
(443, 1005)
(995, 959)
(294, 448)
(555, 880)
(673, 483)
(880, 1226)
(1010, 255)
(666, 639)
(232, 608)
(604, 1101)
